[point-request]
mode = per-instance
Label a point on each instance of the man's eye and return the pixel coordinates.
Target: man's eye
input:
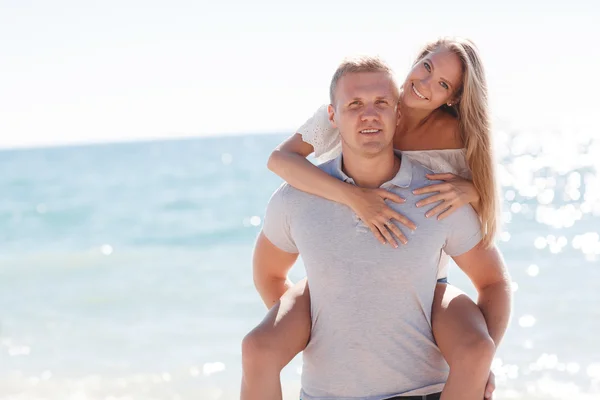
(381, 102)
(355, 103)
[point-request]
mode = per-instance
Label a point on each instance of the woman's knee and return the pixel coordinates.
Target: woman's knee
(257, 348)
(460, 327)
(283, 333)
(477, 347)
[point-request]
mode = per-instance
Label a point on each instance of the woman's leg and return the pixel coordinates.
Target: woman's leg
(461, 334)
(269, 347)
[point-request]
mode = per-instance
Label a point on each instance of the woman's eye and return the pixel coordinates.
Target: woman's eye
(427, 66)
(444, 85)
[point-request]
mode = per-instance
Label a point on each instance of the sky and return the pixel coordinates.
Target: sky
(90, 71)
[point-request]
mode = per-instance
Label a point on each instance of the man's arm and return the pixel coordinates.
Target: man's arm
(485, 267)
(270, 267)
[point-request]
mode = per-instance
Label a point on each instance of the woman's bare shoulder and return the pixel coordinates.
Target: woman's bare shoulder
(447, 127)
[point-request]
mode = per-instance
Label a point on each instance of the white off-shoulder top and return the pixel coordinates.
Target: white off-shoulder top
(327, 145)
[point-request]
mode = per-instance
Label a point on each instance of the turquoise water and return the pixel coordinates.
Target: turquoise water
(125, 268)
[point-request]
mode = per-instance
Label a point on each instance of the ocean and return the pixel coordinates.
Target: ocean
(125, 269)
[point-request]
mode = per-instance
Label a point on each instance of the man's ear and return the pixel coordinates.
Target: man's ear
(331, 112)
(398, 114)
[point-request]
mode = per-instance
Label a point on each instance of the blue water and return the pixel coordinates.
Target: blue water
(125, 268)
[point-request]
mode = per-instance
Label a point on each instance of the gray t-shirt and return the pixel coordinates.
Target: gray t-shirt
(370, 303)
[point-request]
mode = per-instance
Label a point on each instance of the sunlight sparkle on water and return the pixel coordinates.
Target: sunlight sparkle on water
(573, 368)
(226, 158)
(255, 221)
(106, 249)
(527, 321)
(593, 370)
(19, 351)
(212, 368)
(540, 243)
(533, 270)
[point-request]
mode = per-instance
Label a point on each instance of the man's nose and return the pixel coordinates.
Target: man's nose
(370, 113)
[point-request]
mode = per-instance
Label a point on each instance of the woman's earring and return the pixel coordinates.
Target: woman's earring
(449, 104)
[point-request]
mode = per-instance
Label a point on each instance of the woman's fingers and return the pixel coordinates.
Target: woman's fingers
(387, 235)
(382, 234)
(447, 213)
(440, 177)
(377, 234)
(388, 225)
(438, 187)
(402, 219)
(431, 199)
(391, 196)
(397, 232)
(437, 209)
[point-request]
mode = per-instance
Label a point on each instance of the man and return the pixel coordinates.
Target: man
(370, 304)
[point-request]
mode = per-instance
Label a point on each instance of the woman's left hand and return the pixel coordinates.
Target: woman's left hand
(454, 193)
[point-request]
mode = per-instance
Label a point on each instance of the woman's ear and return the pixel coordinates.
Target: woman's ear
(453, 102)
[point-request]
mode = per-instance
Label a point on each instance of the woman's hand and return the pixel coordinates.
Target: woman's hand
(454, 193)
(371, 208)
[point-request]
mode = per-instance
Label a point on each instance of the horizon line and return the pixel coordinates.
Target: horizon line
(131, 140)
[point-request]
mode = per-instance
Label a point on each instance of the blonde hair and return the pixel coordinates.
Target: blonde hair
(470, 107)
(357, 65)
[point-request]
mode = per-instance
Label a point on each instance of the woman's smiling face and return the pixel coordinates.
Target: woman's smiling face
(433, 81)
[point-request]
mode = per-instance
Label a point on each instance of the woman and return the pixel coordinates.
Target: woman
(444, 125)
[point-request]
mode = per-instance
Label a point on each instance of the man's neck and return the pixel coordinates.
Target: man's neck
(370, 172)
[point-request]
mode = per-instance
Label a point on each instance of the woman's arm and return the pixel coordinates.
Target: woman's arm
(289, 161)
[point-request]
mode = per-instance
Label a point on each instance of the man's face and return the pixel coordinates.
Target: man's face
(365, 112)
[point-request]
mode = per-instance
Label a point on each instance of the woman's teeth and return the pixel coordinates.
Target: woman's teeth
(418, 93)
(369, 131)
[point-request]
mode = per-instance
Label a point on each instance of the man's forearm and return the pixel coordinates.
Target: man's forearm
(271, 288)
(495, 304)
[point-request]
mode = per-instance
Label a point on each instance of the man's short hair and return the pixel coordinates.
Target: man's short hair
(357, 65)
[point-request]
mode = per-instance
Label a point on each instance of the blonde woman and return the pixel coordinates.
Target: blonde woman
(444, 125)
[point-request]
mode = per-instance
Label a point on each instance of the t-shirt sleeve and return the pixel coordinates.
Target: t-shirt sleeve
(464, 231)
(324, 138)
(276, 226)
